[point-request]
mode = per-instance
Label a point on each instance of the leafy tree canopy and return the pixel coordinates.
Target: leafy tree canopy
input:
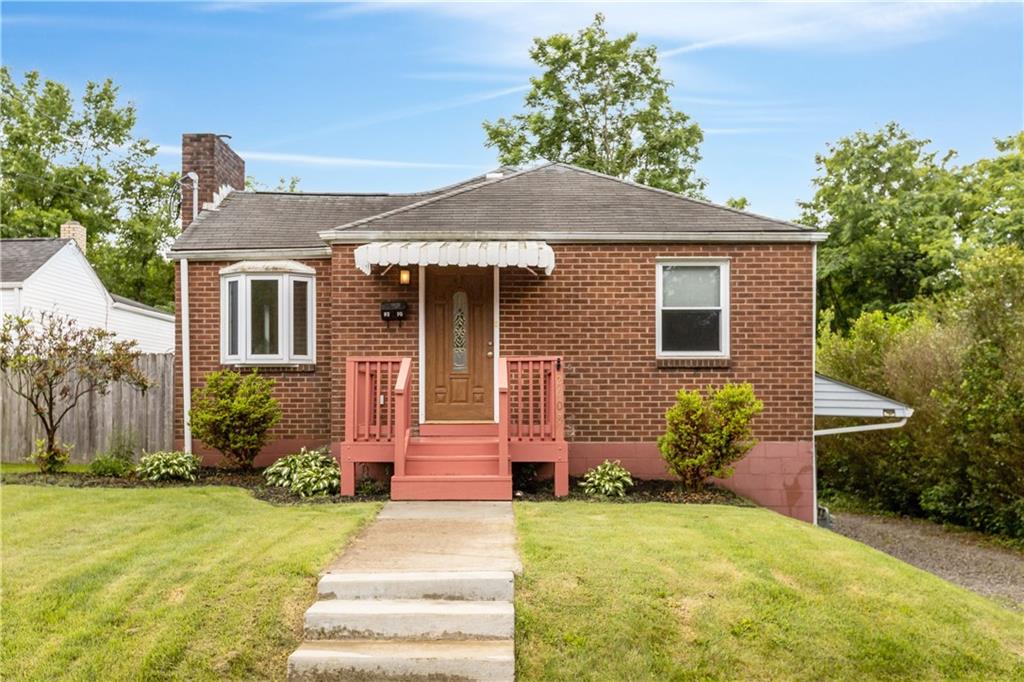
(602, 104)
(61, 162)
(891, 210)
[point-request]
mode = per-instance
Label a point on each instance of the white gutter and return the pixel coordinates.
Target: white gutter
(186, 360)
(117, 305)
(862, 427)
(351, 236)
(252, 254)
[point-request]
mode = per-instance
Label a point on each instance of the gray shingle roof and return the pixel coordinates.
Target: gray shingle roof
(562, 198)
(554, 197)
(264, 220)
(19, 258)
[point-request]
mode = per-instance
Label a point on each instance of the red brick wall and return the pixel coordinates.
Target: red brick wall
(597, 310)
(303, 392)
(214, 162)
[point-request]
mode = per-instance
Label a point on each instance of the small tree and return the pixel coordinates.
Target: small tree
(233, 413)
(707, 433)
(52, 362)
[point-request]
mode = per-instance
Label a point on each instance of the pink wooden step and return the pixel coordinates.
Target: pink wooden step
(451, 487)
(449, 465)
(452, 445)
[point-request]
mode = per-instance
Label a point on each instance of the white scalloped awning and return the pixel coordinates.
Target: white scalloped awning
(511, 254)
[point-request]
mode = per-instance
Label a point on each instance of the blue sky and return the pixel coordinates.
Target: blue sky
(370, 97)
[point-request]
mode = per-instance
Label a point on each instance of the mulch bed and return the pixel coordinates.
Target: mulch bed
(249, 480)
(642, 491)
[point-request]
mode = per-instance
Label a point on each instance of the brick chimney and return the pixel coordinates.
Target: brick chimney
(209, 157)
(76, 231)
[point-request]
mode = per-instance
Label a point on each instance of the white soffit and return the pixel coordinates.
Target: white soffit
(503, 254)
(833, 398)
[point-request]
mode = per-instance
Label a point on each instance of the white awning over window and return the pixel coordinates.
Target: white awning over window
(510, 254)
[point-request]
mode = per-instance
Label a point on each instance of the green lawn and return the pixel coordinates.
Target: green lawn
(173, 583)
(677, 592)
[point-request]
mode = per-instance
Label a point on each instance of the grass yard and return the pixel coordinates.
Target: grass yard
(677, 592)
(172, 583)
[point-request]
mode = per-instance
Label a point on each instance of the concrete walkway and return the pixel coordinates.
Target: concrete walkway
(435, 536)
(424, 592)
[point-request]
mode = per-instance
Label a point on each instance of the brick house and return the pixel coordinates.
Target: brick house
(546, 315)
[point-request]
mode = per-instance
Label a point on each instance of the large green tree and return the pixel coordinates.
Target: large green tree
(892, 210)
(994, 194)
(602, 104)
(64, 160)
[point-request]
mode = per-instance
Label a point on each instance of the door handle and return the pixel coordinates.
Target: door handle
(490, 354)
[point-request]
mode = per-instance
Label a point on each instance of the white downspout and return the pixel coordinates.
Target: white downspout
(194, 177)
(186, 360)
(814, 373)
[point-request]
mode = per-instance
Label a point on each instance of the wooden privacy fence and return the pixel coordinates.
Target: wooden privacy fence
(147, 417)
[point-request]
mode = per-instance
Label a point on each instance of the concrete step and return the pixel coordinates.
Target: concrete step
(450, 487)
(491, 661)
(409, 619)
(465, 585)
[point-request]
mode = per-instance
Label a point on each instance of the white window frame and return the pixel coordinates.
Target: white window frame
(724, 318)
(286, 356)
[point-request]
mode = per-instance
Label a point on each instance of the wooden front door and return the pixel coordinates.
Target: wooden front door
(459, 337)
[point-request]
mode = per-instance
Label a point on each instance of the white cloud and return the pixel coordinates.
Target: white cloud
(501, 33)
(315, 160)
(399, 114)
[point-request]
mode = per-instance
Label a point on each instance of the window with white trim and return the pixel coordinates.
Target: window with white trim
(693, 308)
(267, 317)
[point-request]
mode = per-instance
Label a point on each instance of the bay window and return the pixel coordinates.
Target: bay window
(267, 313)
(693, 308)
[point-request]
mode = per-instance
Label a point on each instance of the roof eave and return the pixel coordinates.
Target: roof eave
(350, 236)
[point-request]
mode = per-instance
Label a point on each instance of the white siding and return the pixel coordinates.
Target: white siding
(67, 284)
(9, 301)
(153, 334)
(833, 398)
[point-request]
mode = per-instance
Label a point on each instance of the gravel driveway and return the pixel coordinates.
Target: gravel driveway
(959, 557)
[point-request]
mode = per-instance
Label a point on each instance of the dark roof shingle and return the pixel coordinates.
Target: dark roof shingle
(19, 258)
(562, 198)
(553, 197)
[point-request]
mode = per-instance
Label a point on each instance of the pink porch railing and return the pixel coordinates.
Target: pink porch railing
(371, 410)
(531, 400)
(534, 389)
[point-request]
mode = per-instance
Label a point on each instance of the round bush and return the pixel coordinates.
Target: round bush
(607, 479)
(307, 474)
(169, 466)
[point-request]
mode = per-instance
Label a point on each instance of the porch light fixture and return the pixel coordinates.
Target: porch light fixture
(404, 276)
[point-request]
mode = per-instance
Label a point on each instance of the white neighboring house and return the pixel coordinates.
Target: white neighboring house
(46, 274)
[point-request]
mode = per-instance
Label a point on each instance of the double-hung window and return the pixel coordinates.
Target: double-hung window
(267, 313)
(693, 308)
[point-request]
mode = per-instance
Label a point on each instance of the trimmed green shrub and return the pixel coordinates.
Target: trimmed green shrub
(50, 460)
(307, 474)
(706, 434)
(607, 479)
(111, 467)
(168, 466)
(233, 413)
